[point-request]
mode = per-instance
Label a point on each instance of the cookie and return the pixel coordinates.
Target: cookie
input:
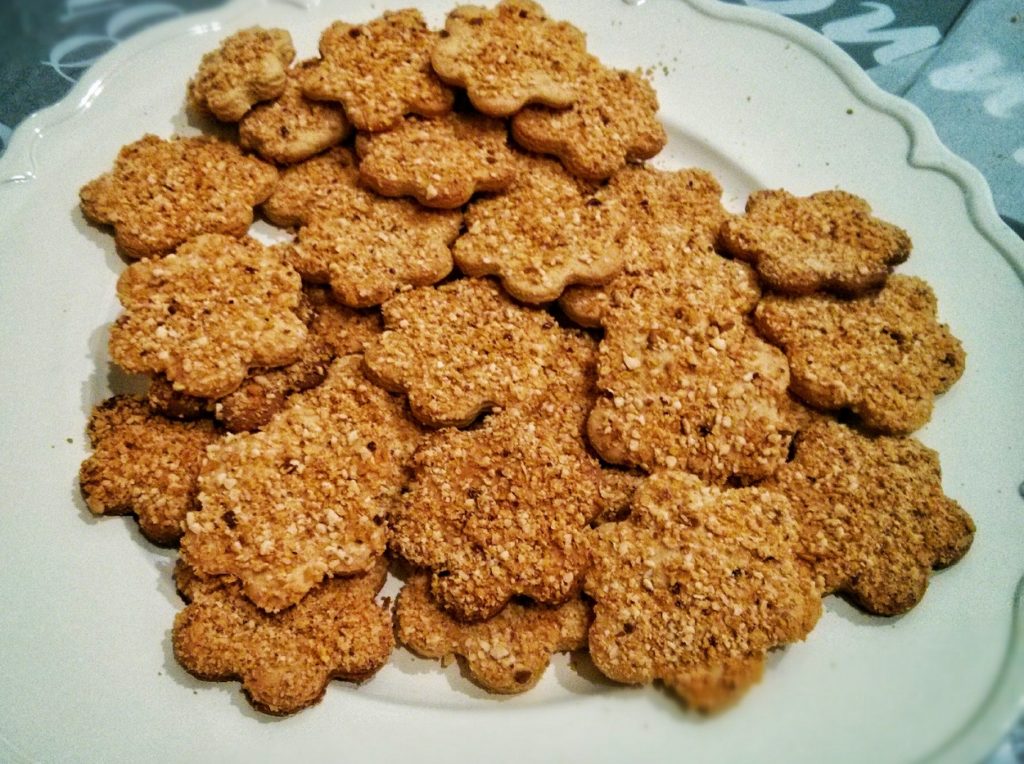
(873, 520)
(883, 355)
(249, 66)
(207, 314)
(696, 587)
(611, 123)
(163, 192)
(502, 509)
(380, 71)
(827, 240)
(505, 654)
(283, 660)
(547, 231)
(334, 330)
(143, 464)
(462, 348)
(670, 213)
(306, 497)
(292, 127)
(374, 247)
(510, 56)
(319, 186)
(442, 162)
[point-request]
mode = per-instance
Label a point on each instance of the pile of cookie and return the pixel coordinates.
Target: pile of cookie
(563, 394)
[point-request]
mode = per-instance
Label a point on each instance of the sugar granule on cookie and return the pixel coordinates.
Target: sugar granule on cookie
(547, 231)
(463, 348)
(611, 123)
(873, 519)
(292, 127)
(143, 464)
(502, 509)
(308, 496)
(442, 162)
(669, 212)
(510, 56)
(696, 587)
(163, 192)
(249, 66)
(318, 186)
(507, 653)
(207, 314)
(334, 330)
(828, 240)
(283, 660)
(883, 355)
(380, 71)
(374, 248)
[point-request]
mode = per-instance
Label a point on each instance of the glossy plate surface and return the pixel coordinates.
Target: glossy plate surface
(86, 670)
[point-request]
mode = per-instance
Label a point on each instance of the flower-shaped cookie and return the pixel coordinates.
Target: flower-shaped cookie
(283, 660)
(292, 127)
(249, 66)
(319, 186)
(334, 330)
(872, 515)
(207, 314)
(502, 509)
(307, 497)
(373, 247)
(669, 213)
(465, 347)
(611, 123)
(510, 56)
(380, 71)
(504, 654)
(162, 193)
(442, 162)
(144, 464)
(546, 232)
(828, 240)
(696, 587)
(883, 355)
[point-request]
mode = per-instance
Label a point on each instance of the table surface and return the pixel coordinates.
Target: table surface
(959, 61)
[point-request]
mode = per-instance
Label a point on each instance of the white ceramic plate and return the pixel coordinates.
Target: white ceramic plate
(86, 671)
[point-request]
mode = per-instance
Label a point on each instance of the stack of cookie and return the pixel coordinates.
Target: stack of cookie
(564, 395)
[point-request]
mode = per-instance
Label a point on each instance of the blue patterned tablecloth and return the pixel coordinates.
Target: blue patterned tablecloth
(960, 61)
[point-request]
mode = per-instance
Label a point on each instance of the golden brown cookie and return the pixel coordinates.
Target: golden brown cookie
(143, 464)
(334, 330)
(505, 654)
(292, 127)
(162, 193)
(380, 71)
(442, 162)
(306, 497)
(611, 123)
(321, 185)
(249, 66)
(884, 355)
(872, 516)
(827, 240)
(462, 348)
(546, 232)
(373, 247)
(510, 56)
(502, 509)
(670, 213)
(207, 314)
(696, 587)
(283, 660)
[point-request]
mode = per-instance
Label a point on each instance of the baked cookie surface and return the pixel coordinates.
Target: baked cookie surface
(163, 192)
(379, 71)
